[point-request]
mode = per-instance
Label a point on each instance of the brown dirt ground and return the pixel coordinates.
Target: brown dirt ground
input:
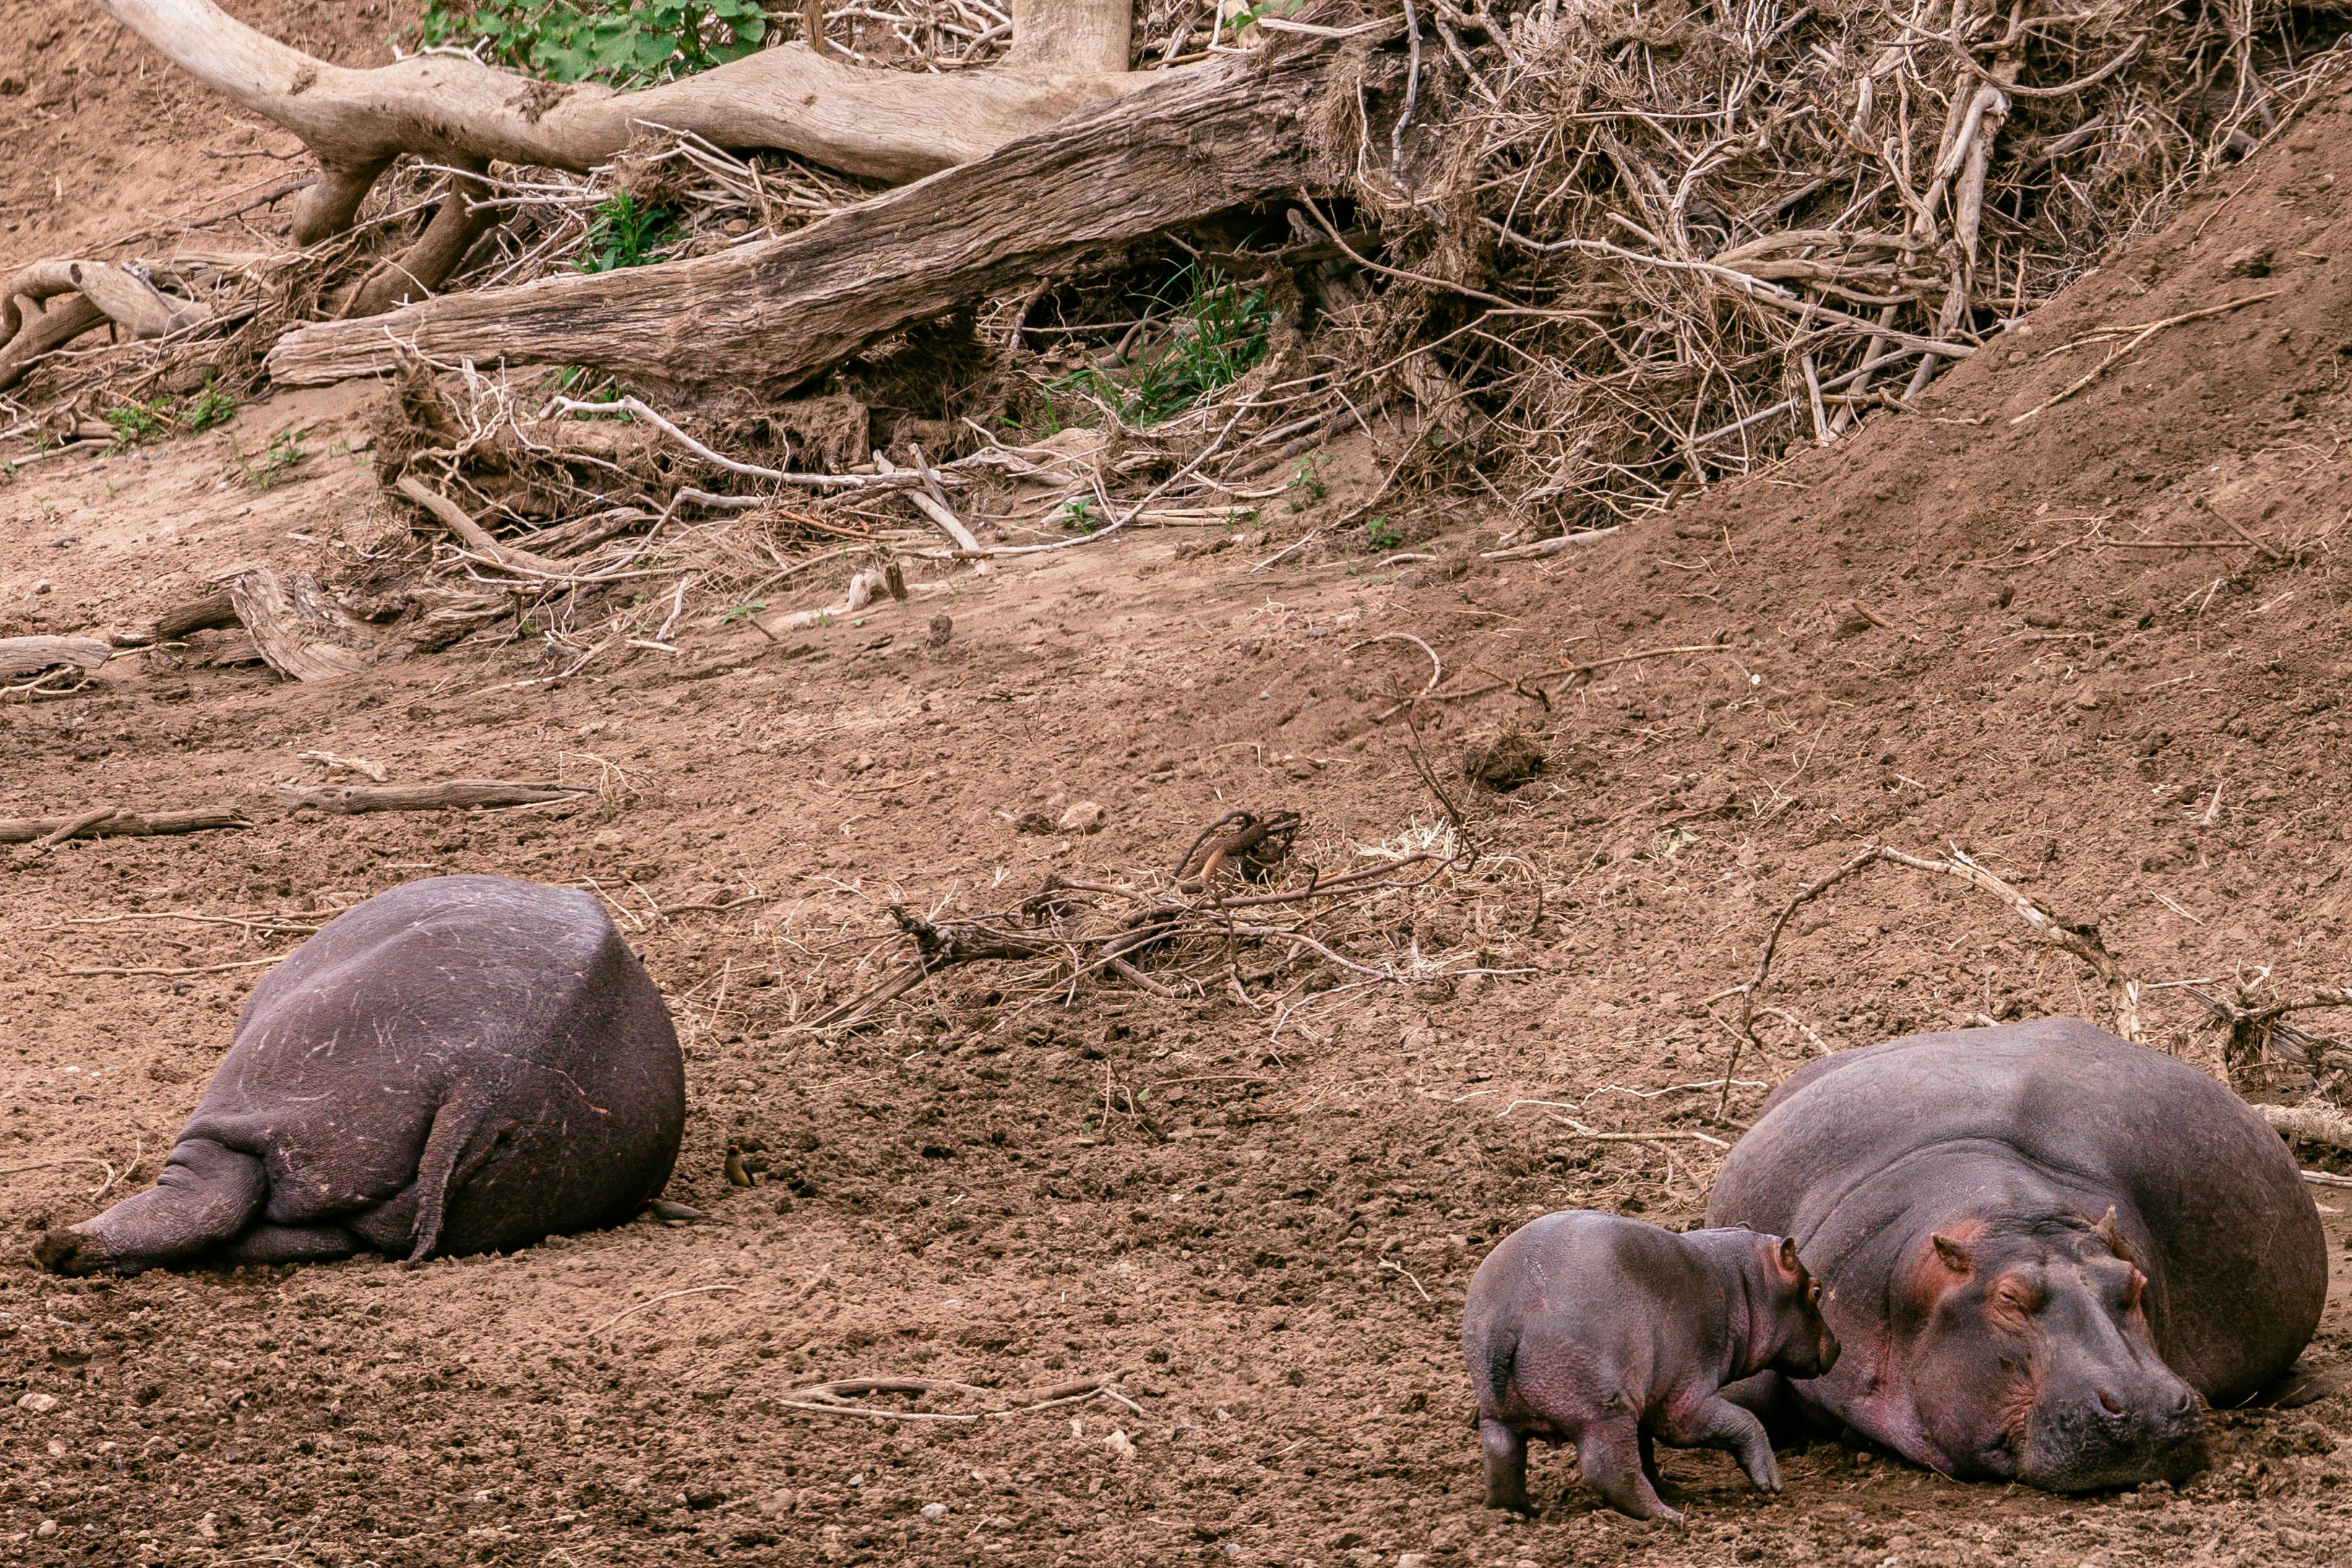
(1270, 1249)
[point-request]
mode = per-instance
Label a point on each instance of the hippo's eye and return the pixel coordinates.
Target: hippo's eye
(1813, 1292)
(2015, 1295)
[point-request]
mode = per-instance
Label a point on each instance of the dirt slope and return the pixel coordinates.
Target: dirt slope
(1922, 637)
(104, 140)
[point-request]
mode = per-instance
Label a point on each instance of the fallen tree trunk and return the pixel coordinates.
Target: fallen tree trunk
(2315, 1121)
(893, 125)
(781, 311)
(21, 656)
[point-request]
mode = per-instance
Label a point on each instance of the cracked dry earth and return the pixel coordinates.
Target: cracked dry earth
(1946, 628)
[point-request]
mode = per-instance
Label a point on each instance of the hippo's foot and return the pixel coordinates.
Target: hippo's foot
(267, 1243)
(65, 1251)
(1507, 1467)
(1610, 1452)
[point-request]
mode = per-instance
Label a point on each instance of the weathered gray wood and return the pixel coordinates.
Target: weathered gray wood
(780, 312)
(456, 795)
(116, 824)
(23, 656)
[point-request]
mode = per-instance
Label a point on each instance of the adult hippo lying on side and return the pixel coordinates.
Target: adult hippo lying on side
(2047, 1249)
(465, 1064)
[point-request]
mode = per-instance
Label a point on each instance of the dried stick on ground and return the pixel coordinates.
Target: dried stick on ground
(2081, 941)
(456, 795)
(882, 579)
(472, 534)
(117, 824)
(1190, 930)
(827, 1398)
(780, 310)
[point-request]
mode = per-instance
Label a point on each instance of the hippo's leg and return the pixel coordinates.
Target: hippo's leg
(1720, 1423)
(1506, 1465)
(267, 1243)
(204, 1194)
(1611, 1452)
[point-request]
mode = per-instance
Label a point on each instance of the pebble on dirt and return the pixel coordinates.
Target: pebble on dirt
(39, 1403)
(1085, 816)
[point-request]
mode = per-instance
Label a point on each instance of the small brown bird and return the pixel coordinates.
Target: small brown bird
(737, 1176)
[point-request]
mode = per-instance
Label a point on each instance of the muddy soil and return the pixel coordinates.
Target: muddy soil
(1950, 627)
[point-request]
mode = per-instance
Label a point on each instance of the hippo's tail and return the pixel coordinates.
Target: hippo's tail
(1490, 1369)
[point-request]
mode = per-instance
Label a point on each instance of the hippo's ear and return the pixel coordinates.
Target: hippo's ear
(2113, 1235)
(1789, 1263)
(1952, 1254)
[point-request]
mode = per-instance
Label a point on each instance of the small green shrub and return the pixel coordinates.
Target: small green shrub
(624, 234)
(209, 408)
(1382, 534)
(1215, 333)
(625, 43)
(137, 422)
(286, 453)
(1308, 484)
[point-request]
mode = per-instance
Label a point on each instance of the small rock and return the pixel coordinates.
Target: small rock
(779, 1502)
(48, 1527)
(1121, 1443)
(862, 763)
(39, 1403)
(943, 628)
(1414, 1560)
(207, 1528)
(935, 1512)
(1033, 822)
(1084, 817)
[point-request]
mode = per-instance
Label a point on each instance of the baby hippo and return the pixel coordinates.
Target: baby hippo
(1603, 1331)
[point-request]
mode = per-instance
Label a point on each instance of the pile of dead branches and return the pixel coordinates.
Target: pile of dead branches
(1233, 916)
(1657, 246)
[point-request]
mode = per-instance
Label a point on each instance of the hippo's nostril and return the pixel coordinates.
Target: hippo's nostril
(2185, 1404)
(2110, 1404)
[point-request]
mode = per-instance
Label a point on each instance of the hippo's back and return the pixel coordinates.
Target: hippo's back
(2237, 1242)
(516, 1000)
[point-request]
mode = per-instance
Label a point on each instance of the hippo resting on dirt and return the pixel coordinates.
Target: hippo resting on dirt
(2048, 1250)
(464, 1064)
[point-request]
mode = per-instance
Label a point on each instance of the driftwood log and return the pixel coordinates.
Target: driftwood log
(296, 628)
(1189, 144)
(24, 657)
(214, 610)
(49, 304)
(892, 125)
(456, 795)
(108, 823)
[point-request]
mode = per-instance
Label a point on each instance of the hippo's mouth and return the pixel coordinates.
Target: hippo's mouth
(2048, 1462)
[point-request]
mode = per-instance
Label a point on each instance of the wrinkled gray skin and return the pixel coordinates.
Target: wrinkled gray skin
(2049, 1249)
(1603, 1331)
(464, 1064)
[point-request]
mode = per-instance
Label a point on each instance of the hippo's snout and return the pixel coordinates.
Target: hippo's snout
(2112, 1434)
